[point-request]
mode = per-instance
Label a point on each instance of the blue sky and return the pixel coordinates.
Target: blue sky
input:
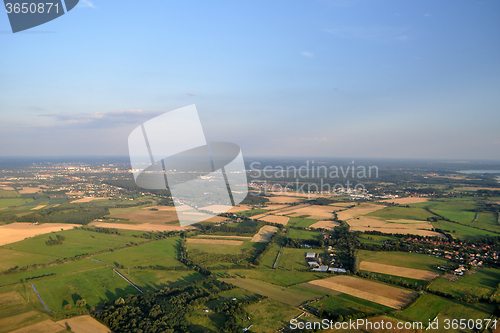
(408, 79)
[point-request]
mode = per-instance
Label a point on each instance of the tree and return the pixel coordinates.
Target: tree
(81, 303)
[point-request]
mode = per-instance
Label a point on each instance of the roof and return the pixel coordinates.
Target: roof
(310, 255)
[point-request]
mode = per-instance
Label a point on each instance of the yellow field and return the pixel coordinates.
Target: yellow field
(18, 231)
(47, 326)
(220, 236)
(265, 233)
(315, 212)
(6, 188)
(38, 207)
(358, 211)
(30, 190)
(275, 219)
(325, 224)
(371, 291)
(141, 227)
(84, 324)
(284, 199)
(397, 271)
(406, 201)
(214, 241)
(148, 216)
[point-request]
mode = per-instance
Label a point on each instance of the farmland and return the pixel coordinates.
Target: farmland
(397, 271)
(301, 222)
(375, 292)
(344, 304)
(15, 312)
(294, 259)
(268, 315)
(403, 259)
(476, 283)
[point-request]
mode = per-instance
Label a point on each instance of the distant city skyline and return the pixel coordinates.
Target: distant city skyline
(326, 78)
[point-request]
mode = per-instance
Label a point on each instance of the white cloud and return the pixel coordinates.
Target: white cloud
(191, 94)
(427, 15)
(307, 54)
(86, 3)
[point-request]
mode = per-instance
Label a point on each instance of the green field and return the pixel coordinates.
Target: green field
(294, 259)
(300, 222)
(78, 242)
(402, 259)
(252, 212)
(13, 202)
(94, 286)
(158, 253)
(428, 306)
(291, 296)
(11, 258)
(268, 315)
(9, 194)
(224, 248)
(375, 239)
(344, 305)
(156, 279)
(462, 231)
(59, 269)
(303, 234)
(455, 210)
(480, 283)
(275, 276)
(401, 213)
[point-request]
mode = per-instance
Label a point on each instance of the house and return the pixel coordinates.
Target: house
(337, 270)
(322, 268)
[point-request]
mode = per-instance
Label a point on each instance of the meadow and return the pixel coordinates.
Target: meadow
(301, 222)
(157, 253)
(402, 259)
(401, 213)
(291, 296)
(275, 276)
(294, 259)
(11, 258)
(94, 286)
(344, 304)
(77, 242)
(477, 283)
(303, 234)
(428, 306)
(156, 279)
(462, 231)
(270, 314)
(15, 312)
(224, 248)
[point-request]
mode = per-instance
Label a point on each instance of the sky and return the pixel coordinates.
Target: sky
(333, 78)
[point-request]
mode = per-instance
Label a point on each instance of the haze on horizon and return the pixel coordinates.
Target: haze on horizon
(389, 79)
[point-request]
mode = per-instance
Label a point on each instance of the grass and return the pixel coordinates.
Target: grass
(428, 306)
(78, 242)
(375, 239)
(481, 283)
(303, 234)
(59, 269)
(462, 231)
(156, 279)
(294, 259)
(269, 315)
(11, 258)
(402, 213)
(291, 296)
(13, 202)
(300, 222)
(252, 212)
(94, 286)
(223, 248)
(344, 305)
(410, 281)
(158, 253)
(9, 194)
(402, 259)
(275, 276)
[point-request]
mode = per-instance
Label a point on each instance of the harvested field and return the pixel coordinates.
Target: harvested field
(6, 188)
(398, 271)
(325, 225)
(289, 209)
(275, 219)
(374, 224)
(371, 291)
(315, 212)
(30, 190)
(38, 207)
(273, 207)
(47, 326)
(216, 219)
(405, 201)
(141, 227)
(15, 232)
(84, 324)
(239, 208)
(214, 241)
(265, 233)
(216, 209)
(89, 199)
